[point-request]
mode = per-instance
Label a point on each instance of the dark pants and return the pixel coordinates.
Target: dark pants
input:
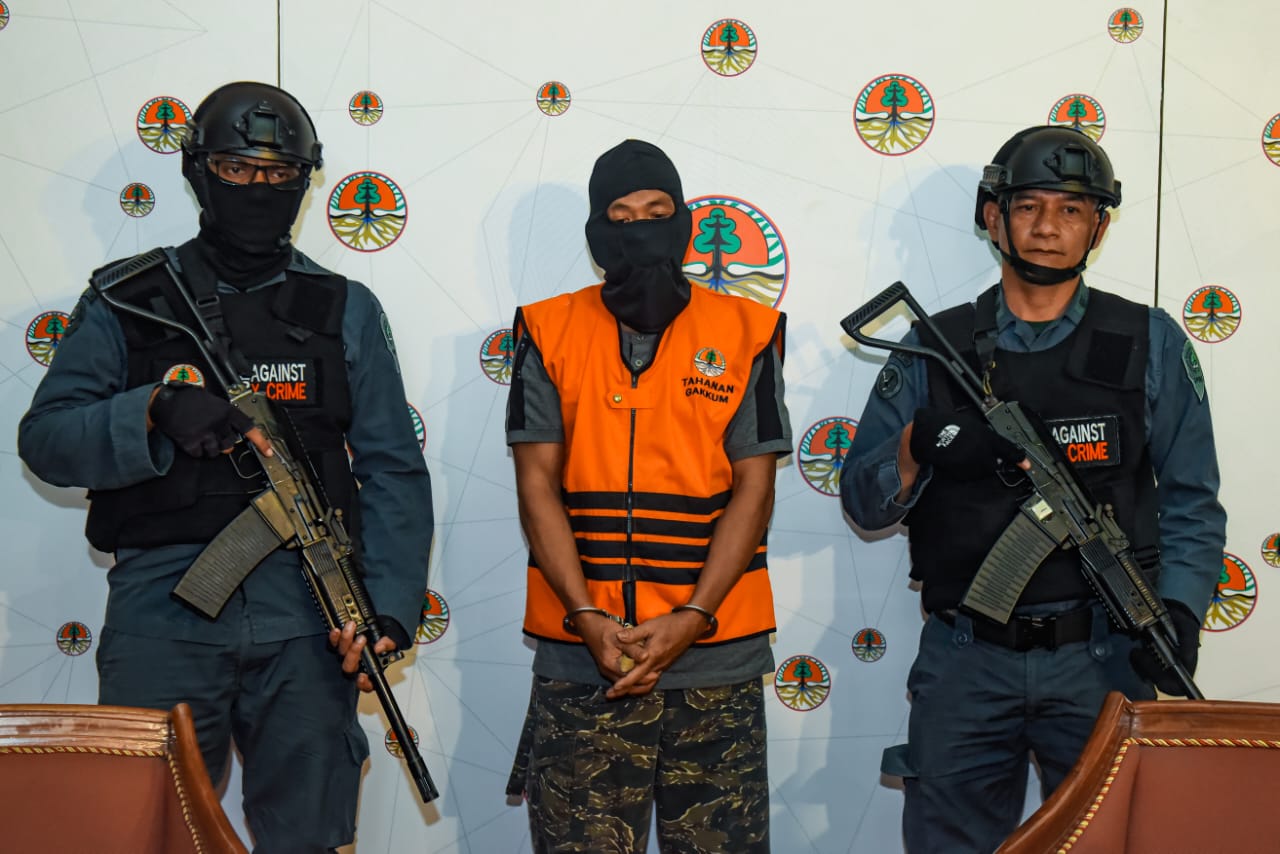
(977, 712)
(290, 710)
(595, 768)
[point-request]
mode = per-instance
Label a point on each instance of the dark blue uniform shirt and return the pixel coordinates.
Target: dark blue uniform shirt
(1179, 435)
(85, 428)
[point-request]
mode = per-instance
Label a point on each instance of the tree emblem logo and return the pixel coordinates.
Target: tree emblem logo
(164, 124)
(894, 114)
(365, 107)
(367, 211)
(419, 426)
(553, 98)
(392, 744)
(802, 683)
(822, 453)
(184, 373)
(1271, 140)
(435, 619)
(735, 249)
(1211, 314)
(137, 200)
(1271, 549)
(709, 361)
(1125, 25)
(728, 47)
(74, 638)
(4, 15)
(869, 645)
(1234, 598)
(1079, 112)
(496, 354)
(44, 334)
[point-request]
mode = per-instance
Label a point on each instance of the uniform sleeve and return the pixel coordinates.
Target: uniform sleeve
(762, 424)
(396, 515)
(84, 427)
(869, 482)
(1183, 455)
(533, 403)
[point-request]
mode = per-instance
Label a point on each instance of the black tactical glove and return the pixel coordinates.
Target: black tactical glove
(390, 628)
(960, 443)
(200, 423)
(1187, 629)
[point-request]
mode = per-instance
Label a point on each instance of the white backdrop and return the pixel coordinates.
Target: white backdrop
(492, 191)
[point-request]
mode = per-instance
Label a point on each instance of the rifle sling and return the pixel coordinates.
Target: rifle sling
(985, 330)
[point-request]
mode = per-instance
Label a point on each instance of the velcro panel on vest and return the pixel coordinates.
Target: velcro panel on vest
(1112, 349)
(311, 302)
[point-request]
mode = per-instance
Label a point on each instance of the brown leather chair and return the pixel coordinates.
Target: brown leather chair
(1169, 776)
(107, 779)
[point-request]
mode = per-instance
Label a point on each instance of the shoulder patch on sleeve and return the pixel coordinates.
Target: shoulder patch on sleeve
(1191, 364)
(386, 335)
(77, 313)
(889, 381)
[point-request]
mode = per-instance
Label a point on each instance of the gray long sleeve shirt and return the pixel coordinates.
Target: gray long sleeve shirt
(86, 428)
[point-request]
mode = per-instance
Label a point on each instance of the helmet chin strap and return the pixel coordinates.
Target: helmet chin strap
(1039, 274)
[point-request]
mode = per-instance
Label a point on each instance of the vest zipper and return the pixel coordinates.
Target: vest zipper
(629, 575)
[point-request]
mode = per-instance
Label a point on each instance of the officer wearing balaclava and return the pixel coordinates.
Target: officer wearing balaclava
(249, 161)
(645, 419)
(128, 410)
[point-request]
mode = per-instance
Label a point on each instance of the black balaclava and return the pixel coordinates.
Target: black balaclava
(644, 285)
(245, 231)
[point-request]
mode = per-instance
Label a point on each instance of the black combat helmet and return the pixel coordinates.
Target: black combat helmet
(256, 120)
(246, 222)
(1047, 158)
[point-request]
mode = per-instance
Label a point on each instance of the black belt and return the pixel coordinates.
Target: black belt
(1027, 631)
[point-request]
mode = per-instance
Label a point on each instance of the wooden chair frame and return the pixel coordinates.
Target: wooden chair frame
(1124, 727)
(121, 731)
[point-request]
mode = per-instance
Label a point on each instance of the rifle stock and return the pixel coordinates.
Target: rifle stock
(1060, 513)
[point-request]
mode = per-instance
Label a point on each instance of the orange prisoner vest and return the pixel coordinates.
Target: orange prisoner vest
(646, 476)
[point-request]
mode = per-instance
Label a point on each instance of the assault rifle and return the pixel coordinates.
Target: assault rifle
(1058, 513)
(291, 512)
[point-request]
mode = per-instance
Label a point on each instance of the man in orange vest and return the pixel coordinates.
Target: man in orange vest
(645, 419)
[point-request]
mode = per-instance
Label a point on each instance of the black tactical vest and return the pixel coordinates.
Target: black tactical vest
(291, 336)
(1090, 392)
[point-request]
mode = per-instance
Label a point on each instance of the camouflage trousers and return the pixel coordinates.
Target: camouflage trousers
(592, 769)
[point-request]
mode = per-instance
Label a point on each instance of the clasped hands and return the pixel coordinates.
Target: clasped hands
(634, 657)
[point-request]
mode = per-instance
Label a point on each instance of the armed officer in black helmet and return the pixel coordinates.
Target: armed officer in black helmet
(1119, 386)
(127, 410)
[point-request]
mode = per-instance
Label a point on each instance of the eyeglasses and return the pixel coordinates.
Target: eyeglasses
(234, 170)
